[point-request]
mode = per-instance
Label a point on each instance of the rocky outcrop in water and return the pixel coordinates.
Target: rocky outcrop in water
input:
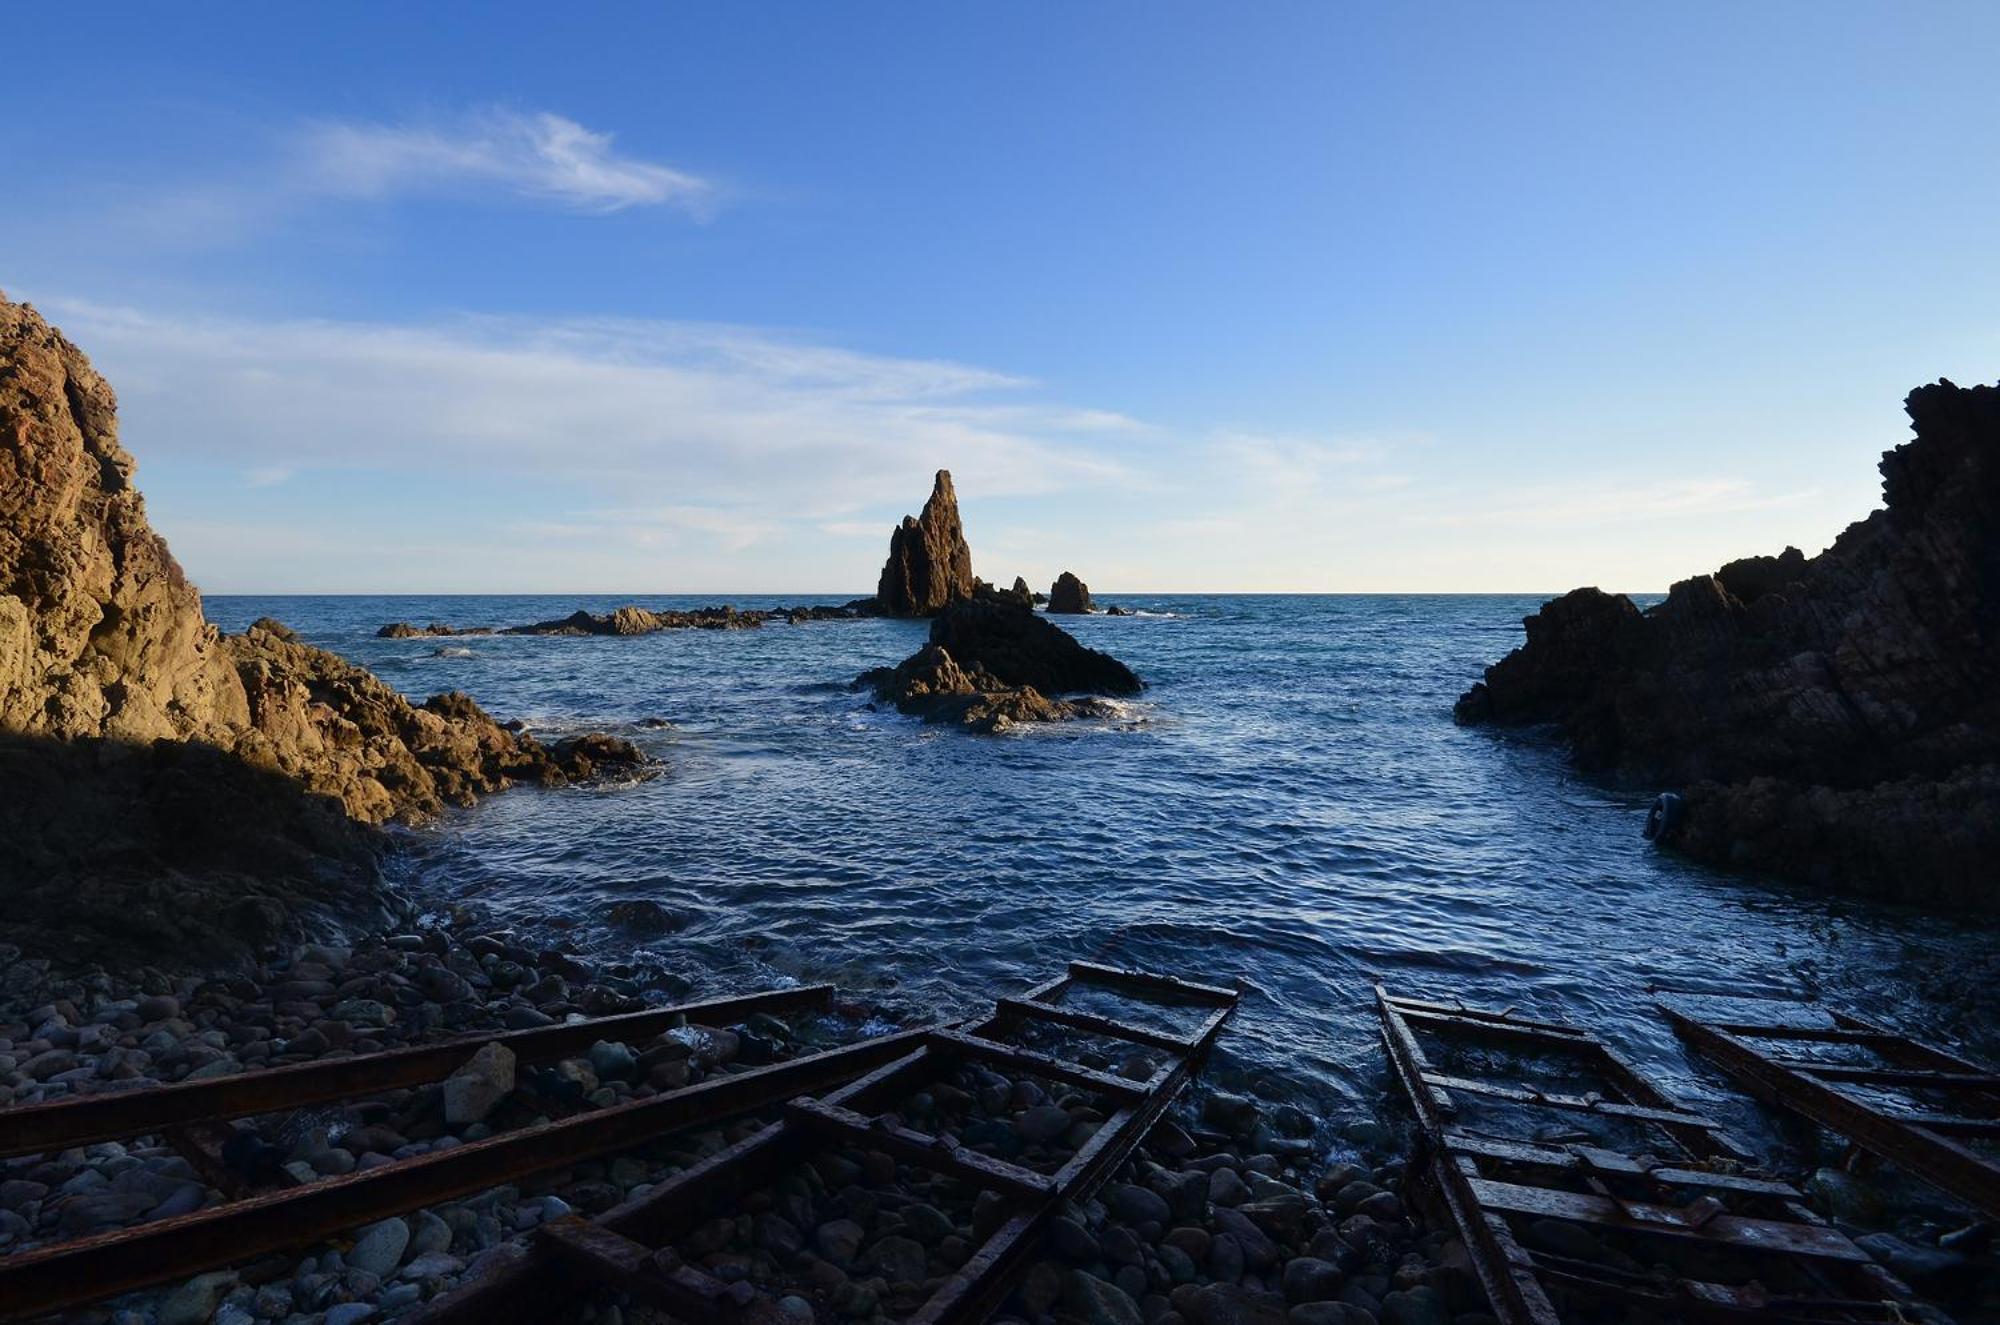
(643, 621)
(1069, 595)
(929, 563)
(102, 640)
(1834, 719)
(991, 662)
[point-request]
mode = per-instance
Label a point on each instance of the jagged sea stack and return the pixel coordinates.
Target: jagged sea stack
(1835, 719)
(929, 563)
(1069, 596)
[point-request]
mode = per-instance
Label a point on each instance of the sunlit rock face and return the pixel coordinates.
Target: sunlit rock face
(929, 562)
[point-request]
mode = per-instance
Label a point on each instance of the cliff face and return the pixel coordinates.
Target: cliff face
(929, 562)
(1834, 719)
(104, 649)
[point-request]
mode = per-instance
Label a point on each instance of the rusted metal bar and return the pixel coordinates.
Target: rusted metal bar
(931, 1151)
(1921, 1142)
(1149, 982)
(1651, 1217)
(43, 1128)
(1039, 1064)
(525, 1285)
(68, 1274)
(1483, 1182)
(1090, 1021)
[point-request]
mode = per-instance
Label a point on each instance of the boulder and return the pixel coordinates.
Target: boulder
(930, 564)
(1833, 719)
(992, 663)
(474, 1090)
(167, 790)
(1069, 595)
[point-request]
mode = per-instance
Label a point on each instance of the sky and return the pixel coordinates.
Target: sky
(1188, 297)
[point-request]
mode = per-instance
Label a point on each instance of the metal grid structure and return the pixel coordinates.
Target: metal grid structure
(1930, 1144)
(194, 1116)
(631, 1247)
(1721, 1242)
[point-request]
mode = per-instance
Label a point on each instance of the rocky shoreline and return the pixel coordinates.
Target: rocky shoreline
(1831, 719)
(1229, 1214)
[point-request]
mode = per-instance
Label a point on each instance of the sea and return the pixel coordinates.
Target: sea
(1288, 806)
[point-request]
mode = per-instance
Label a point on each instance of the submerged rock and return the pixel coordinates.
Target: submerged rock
(1834, 719)
(991, 663)
(164, 779)
(1069, 595)
(930, 564)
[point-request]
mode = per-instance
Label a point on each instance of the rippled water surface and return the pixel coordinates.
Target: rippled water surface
(1289, 804)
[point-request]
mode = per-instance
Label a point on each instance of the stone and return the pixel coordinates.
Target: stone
(1414, 1306)
(473, 1091)
(1043, 1124)
(194, 1302)
(900, 1259)
(1831, 719)
(1137, 1205)
(428, 1233)
(839, 1240)
(158, 1007)
(1308, 1279)
(348, 1313)
(1069, 595)
(613, 1061)
(1092, 1301)
(379, 1247)
(928, 1224)
(930, 563)
(1848, 1198)
(1228, 1304)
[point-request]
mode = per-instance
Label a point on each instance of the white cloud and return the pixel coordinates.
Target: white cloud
(720, 419)
(536, 155)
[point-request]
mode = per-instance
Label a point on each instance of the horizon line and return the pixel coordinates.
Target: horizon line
(810, 593)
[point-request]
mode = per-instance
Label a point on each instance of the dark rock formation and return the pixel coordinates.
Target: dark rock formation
(992, 662)
(1834, 719)
(102, 640)
(1022, 592)
(1069, 595)
(642, 621)
(929, 563)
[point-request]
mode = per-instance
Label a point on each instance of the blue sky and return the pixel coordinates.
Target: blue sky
(1261, 297)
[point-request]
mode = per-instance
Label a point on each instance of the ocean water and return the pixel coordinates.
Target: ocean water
(1289, 805)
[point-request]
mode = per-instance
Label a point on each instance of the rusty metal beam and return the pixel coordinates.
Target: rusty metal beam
(1916, 1144)
(67, 1274)
(962, 1045)
(44, 1128)
(1702, 1225)
(1036, 1010)
(521, 1286)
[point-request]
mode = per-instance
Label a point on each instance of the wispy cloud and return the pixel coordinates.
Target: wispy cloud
(1598, 502)
(533, 154)
(725, 419)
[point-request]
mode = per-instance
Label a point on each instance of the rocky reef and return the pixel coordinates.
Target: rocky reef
(930, 564)
(1832, 719)
(991, 663)
(116, 691)
(632, 620)
(1069, 596)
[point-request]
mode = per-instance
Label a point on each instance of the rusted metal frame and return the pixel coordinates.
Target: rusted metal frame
(960, 1045)
(1488, 1027)
(1741, 1231)
(1510, 1274)
(1928, 1078)
(1951, 1123)
(1923, 1150)
(1914, 1053)
(934, 1152)
(1503, 1270)
(1036, 1010)
(67, 1274)
(1705, 1300)
(520, 1284)
(1593, 1159)
(658, 1278)
(1898, 1049)
(1150, 982)
(1505, 1017)
(82, 1120)
(972, 1292)
(1569, 1103)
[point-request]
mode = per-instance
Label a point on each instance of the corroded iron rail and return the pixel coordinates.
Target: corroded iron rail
(630, 1247)
(1700, 1196)
(69, 1274)
(1924, 1143)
